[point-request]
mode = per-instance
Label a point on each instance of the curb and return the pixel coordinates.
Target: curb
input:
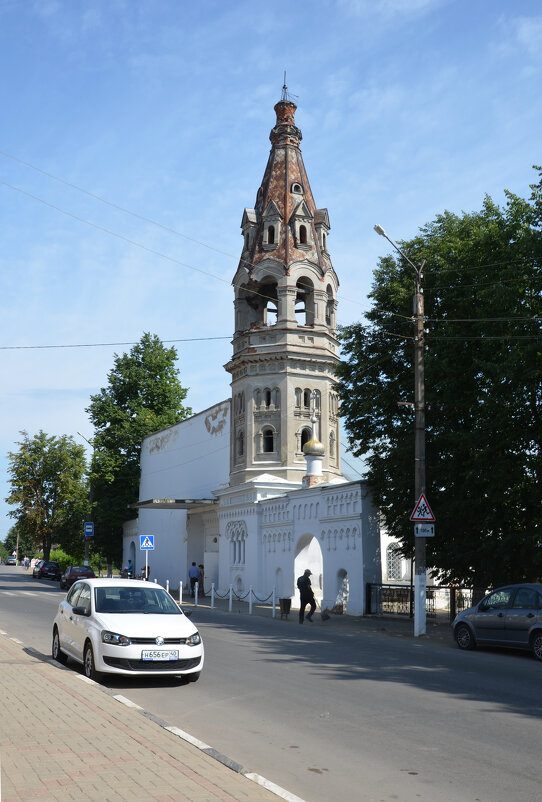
(210, 751)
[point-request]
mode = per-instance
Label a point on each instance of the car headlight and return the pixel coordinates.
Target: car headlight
(114, 639)
(193, 640)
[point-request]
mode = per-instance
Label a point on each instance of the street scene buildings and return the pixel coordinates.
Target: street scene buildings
(252, 488)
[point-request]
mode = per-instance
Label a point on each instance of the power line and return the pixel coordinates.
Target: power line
(102, 345)
(138, 217)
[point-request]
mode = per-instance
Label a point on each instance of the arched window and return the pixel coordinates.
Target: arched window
(268, 440)
(330, 306)
(307, 399)
(257, 398)
(324, 242)
(306, 435)
(271, 235)
(298, 394)
(267, 397)
(302, 235)
(304, 302)
(240, 444)
(393, 562)
(332, 445)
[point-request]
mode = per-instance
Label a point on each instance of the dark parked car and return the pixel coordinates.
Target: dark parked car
(47, 569)
(509, 616)
(74, 572)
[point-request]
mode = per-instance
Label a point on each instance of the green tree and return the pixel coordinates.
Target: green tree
(48, 489)
(17, 536)
(143, 395)
(483, 390)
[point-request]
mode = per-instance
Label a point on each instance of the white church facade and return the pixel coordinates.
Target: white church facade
(252, 488)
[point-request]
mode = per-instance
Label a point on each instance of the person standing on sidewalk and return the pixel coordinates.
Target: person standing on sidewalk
(306, 596)
(193, 575)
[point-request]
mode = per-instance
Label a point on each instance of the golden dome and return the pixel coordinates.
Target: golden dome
(313, 448)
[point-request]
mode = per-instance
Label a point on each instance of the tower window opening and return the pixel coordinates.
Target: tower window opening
(271, 235)
(297, 189)
(268, 441)
(267, 397)
(241, 444)
(302, 235)
(306, 435)
(307, 399)
(304, 302)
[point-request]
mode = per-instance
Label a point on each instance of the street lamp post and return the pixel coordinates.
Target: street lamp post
(420, 575)
(90, 497)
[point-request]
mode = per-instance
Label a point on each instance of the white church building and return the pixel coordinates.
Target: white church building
(252, 487)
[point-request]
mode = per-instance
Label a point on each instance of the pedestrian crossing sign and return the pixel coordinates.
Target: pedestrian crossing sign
(422, 512)
(146, 542)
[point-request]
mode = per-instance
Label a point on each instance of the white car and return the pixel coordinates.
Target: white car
(126, 626)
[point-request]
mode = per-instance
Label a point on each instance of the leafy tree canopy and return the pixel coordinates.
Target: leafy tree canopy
(143, 395)
(48, 490)
(483, 390)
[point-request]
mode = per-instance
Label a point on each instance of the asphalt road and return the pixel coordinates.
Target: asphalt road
(335, 713)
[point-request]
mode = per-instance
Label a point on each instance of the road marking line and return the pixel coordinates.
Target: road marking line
(187, 737)
(123, 700)
(276, 789)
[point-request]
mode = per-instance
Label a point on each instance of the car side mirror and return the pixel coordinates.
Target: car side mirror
(80, 611)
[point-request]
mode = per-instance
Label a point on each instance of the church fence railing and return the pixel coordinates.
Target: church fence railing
(443, 602)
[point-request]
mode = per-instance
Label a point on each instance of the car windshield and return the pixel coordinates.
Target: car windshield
(120, 599)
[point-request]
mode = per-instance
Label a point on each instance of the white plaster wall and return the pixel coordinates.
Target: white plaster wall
(188, 460)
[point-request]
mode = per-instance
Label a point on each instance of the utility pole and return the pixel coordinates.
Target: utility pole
(420, 573)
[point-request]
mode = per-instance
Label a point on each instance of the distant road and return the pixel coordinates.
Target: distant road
(336, 714)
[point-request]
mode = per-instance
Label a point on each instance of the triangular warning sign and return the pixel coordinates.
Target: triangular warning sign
(147, 543)
(422, 512)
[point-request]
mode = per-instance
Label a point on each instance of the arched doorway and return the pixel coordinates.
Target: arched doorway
(308, 554)
(341, 599)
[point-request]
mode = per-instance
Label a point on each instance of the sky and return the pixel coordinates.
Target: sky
(135, 132)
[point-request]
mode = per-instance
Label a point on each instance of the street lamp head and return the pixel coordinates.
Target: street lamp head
(380, 230)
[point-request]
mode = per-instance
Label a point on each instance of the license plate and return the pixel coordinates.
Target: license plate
(155, 654)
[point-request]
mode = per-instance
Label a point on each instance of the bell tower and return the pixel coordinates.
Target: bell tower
(285, 346)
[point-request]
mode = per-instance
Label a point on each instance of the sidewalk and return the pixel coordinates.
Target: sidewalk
(391, 625)
(63, 737)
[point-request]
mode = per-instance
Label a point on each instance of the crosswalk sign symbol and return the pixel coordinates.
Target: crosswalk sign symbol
(146, 542)
(422, 512)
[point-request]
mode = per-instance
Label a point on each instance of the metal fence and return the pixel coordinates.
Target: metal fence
(442, 602)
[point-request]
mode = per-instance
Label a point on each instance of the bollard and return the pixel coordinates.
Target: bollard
(274, 613)
(180, 591)
(250, 600)
(212, 595)
(167, 585)
(196, 588)
(230, 606)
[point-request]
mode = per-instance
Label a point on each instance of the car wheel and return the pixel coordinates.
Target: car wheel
(193, 677)
(89, 664)
(536, 644)
(57, 652)
(464, 637)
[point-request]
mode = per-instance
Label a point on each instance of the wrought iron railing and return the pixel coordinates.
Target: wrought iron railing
(442, 602)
